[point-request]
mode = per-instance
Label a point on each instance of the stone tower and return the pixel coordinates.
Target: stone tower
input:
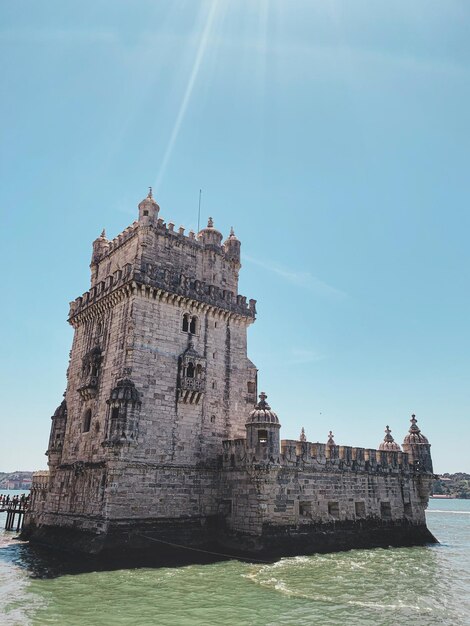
(156, 445)
(158, 376)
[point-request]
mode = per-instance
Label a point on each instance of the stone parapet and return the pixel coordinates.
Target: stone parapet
(40, 480)
(162, 280)
(304, 453)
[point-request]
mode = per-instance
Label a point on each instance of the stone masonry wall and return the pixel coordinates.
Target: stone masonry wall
(288, 497)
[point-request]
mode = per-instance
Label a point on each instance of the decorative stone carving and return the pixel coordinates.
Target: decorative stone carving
(91, 365)
(123, 418)
(191, 375)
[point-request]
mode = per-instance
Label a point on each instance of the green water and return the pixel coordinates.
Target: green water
(416, 586)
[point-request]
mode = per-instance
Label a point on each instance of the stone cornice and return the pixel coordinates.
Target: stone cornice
(163, 284)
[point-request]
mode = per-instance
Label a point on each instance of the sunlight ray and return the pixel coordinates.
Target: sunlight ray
(188, 92)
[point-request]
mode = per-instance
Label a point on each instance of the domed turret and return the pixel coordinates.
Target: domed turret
(148, 209)
(262, 432)
(418, 447)
(210, 236)
(262, 413)
(100, 247)
(232, 247)
(389, 442)
(56, 438)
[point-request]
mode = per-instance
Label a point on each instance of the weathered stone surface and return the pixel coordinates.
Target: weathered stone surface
(157, 439)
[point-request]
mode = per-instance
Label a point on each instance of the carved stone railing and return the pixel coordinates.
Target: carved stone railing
(194, 384)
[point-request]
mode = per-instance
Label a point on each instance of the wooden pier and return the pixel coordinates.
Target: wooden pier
(15, 510)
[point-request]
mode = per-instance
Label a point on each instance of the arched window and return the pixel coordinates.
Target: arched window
(190, 370)
(86, 421)
(199, 371)
(193, 325)
(262, 436)
(185, 322)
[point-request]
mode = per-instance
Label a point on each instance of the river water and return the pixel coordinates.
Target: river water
(417, 586)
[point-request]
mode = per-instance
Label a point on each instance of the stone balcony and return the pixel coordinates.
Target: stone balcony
(191, 389)
(90, 388)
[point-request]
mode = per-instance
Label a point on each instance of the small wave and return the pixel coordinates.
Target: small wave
(448, 512)
(393, 607)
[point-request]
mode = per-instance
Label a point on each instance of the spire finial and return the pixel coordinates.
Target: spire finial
(414, 426)
(331, 441)
(303, 436)
(232, 232)
(388, 434)
(389, 442)
(103, 234)
(210, 223)
(150, 193)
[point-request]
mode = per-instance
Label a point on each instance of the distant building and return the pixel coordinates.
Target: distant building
(160, 437)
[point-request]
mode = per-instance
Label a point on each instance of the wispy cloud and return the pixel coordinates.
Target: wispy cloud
(300, 356)
(299, 278)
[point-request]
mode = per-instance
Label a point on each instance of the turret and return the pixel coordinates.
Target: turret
(100, 249)
(262, 432)
(123, 418)
(56, 439)
(210, 236)
(232, 248)
(389, 442)
(418, 448)
(148, 210)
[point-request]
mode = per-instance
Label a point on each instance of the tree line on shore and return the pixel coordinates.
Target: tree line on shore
(452, 485)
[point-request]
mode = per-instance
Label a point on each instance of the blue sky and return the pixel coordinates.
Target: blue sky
(333, 136)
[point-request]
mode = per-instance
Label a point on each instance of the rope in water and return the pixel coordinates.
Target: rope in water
(229, 556)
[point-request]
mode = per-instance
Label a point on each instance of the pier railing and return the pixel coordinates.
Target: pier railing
(15, 508)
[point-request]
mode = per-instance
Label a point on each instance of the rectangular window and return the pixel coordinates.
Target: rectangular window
(385, 510)
(305, 509)
(333, 509)
(262, 436)
(360, 509)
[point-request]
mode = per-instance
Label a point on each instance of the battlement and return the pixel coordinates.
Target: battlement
(124, 236)
(162, 280)
(191, 240)
(320, 455)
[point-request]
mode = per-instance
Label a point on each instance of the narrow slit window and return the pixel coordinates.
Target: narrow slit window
(86, 421)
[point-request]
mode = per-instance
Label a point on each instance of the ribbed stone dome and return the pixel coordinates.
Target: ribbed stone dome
(262, 413)
(414, 434)
(389, 442)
